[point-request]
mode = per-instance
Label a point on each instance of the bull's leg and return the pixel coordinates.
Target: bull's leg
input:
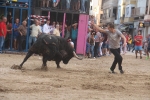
(44, 65)
(57, 63)
(25, 59)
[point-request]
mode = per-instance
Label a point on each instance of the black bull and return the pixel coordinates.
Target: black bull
(51, 48)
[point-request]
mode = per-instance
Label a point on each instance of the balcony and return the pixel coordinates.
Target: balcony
(110, 3)
(107, 20)
(128, 20)
(140, 11)
(147, 18)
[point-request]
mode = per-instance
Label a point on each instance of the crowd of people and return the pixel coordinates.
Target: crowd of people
(74, 5)
(18, 32)
(98, 43)
(70, 5)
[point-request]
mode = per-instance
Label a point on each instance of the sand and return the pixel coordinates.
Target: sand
(87, 79)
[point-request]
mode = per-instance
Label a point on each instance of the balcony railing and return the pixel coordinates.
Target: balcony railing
(140, 11)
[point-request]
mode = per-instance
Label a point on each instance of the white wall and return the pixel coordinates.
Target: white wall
(141, 3)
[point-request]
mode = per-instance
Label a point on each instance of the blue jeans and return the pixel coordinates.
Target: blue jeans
(31, 38)
(1, 43)
(92, 50)
(68, 4)
(83, 5)
(87, 47)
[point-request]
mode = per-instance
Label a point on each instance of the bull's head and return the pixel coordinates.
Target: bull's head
(67, 57)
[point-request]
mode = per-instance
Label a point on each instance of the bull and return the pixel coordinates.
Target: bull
(51, 48)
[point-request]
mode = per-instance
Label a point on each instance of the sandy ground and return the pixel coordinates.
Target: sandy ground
(87, 79)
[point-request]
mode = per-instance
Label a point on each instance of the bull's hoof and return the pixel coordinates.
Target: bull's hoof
(16, 67)
(44, 68)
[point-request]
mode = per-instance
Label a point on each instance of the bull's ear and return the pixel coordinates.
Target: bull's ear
(45, 41)
(63, 53)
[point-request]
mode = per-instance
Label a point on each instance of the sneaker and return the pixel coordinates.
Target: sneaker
(121, 71)
(112, 71)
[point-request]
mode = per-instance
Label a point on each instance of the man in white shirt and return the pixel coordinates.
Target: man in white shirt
(47, 28)
(52, 27)
(36, 29)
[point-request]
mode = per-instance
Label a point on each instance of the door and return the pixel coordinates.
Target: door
(82, 34)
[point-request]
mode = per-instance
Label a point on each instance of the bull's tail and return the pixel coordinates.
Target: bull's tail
(26, 58)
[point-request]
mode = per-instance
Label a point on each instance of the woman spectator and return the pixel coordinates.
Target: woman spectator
(129, 42)
(56, 31)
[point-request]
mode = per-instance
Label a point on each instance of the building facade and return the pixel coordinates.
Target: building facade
(109, 8)
(95, 9)
(128, 15)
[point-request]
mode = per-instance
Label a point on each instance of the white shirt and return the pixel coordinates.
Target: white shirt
(52, 29)
(36, 29)
(46, 29)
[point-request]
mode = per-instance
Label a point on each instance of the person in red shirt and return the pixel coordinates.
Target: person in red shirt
(138, 44)
(3, 32)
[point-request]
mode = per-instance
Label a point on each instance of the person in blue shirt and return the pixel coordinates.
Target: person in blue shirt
(16, 33)
(74, 34)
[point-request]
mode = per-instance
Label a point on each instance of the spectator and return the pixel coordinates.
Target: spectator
(82, 6)
(73, 4)
(36, 29)
(138, 44)
(74, 34)
(125, 47)
(92, 43)
(45, 2)
(67, 34)
(129, 43)
(22, 29)
(8, 36)
(60, 28)
(63, 4)
(41, 23)
(133, 43)
(3, 32)
(68, 4)
(88, 44)
(104, 45)
(56, 31)
(145, 46)
(47, 28)
(148, 47)
(97, 43)
(55, 3)
(53, 26)
(16, 33)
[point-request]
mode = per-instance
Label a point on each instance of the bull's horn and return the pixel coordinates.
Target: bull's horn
(75, 55)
